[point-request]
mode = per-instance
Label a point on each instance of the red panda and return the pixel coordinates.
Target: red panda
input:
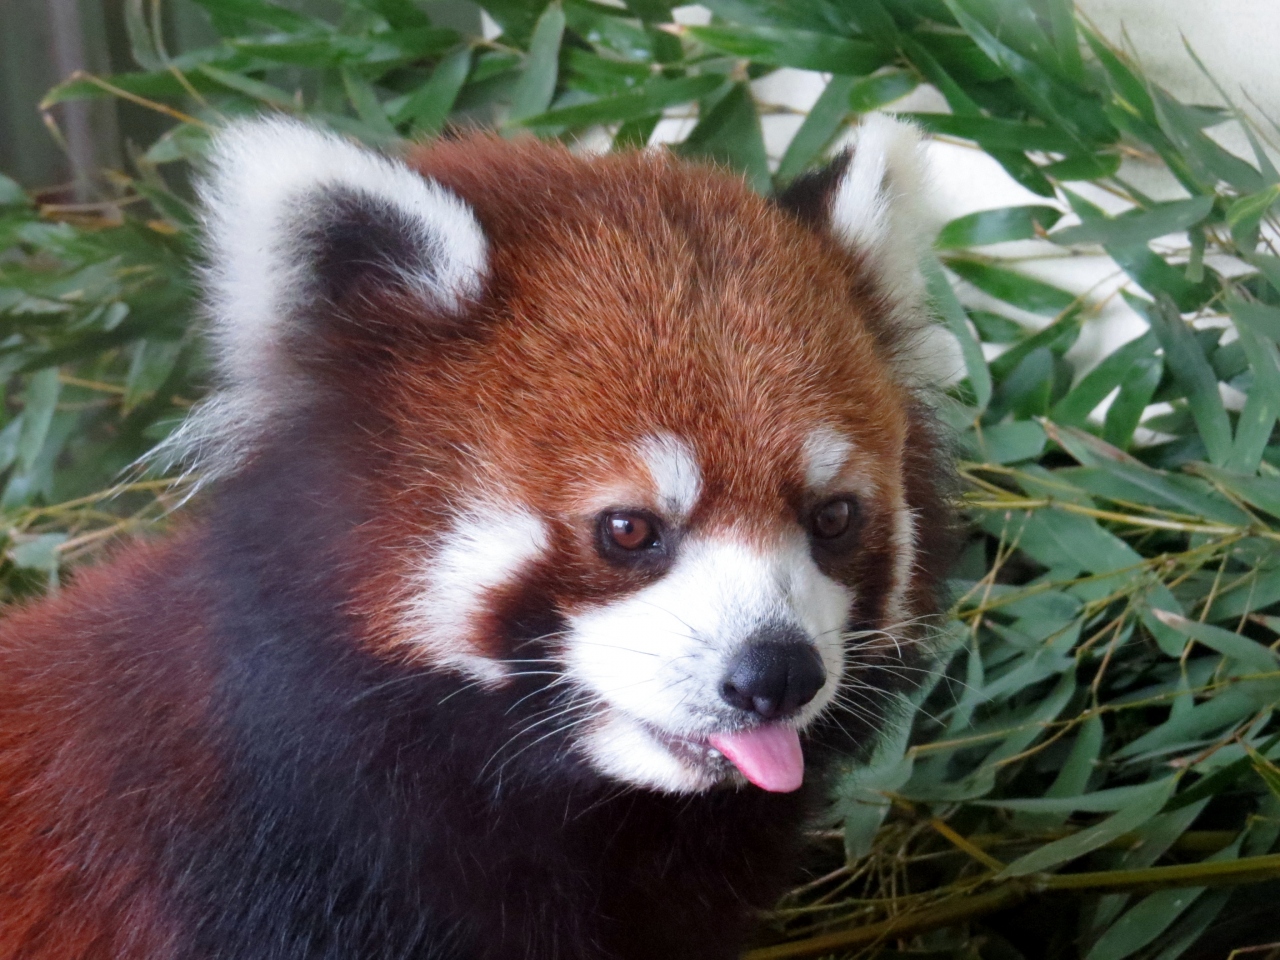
(562, 519)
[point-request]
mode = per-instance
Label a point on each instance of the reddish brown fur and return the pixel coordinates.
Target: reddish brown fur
(103, 736)
(643, 295)
(625, 295)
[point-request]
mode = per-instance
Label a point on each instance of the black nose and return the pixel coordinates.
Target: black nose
(774, 675)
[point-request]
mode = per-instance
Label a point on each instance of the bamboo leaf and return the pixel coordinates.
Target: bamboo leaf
(803, 49)
(1187, 362)
(1251, 654)
(652, 98)
(948, 306)
(537, 83)
(997, 226)
(731, 134)
(1138, 226)
(427, 109)
(820, 126)
(1143, 804)
(1018, 289)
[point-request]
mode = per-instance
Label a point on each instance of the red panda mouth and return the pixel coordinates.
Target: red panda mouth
(768, 756)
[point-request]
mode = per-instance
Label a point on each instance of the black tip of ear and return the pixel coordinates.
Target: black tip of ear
(808, 196)
(353, 240)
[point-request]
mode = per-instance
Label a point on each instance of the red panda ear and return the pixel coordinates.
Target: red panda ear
(300, 226)
(298, 220)
(873, 198)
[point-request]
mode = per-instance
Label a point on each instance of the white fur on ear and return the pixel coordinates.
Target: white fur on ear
(265, 189)
(273, 187)
(880, 209)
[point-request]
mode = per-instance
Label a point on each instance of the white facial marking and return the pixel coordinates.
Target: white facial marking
(675, 472)
(485, 549)
(825, 454)
(621, 747)
(658, 657)
(904, 545)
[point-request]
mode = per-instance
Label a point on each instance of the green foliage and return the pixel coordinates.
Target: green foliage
(1102, 733)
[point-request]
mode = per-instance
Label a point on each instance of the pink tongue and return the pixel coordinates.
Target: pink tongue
(769, 756)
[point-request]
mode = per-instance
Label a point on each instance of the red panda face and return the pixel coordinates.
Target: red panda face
(640, 431)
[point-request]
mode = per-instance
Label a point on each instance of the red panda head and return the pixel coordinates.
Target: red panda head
(638, 431)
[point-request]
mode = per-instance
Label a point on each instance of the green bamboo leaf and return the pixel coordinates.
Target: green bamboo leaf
(1125, 413)
(1262, 492)
(1245, 214)
(993, 328)
(880, 90)
(944, 301)
(1230, 708)
(426, 110)
(1072, 780)
(1007, 442)
(1186, 361)
(1138, 226)
(1266, 770)
(1193, 926)
(154, 86)
(654, 97)
(1097, 384)
(1129, 89)
(1098, 801)
(1144, 804)
(819, 128)
(11, 194)
(1149, 270)
(1018, 289)
(1147, 485)
(40, 399)
(1060, 17)
(1058, 337)
(1059, 539)
(1151, 916)
(364, 99)
(730, 134)
(1209, 161)
(1089, 166)
(142, 44)
(537, 83)
(1256, 420)
(233, 17)
(1250, 654)
(803, 49)
(1268, 266)
(39, 552)
(1080, 117)
(997, 226)
(995, 134)
(1258, 317)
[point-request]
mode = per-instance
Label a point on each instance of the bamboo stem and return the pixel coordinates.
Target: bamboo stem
(963, 905)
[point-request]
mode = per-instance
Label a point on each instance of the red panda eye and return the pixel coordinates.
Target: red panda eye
(630, 531)
(833, 519)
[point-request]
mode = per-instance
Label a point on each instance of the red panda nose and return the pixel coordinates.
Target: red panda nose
(774, 675)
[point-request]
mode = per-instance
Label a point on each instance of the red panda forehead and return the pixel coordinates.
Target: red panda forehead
(634, 299)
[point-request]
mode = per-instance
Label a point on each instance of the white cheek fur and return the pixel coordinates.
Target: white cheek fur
(658, 657)
(485, 549)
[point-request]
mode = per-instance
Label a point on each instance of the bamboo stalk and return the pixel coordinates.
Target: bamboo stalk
(964, 906)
